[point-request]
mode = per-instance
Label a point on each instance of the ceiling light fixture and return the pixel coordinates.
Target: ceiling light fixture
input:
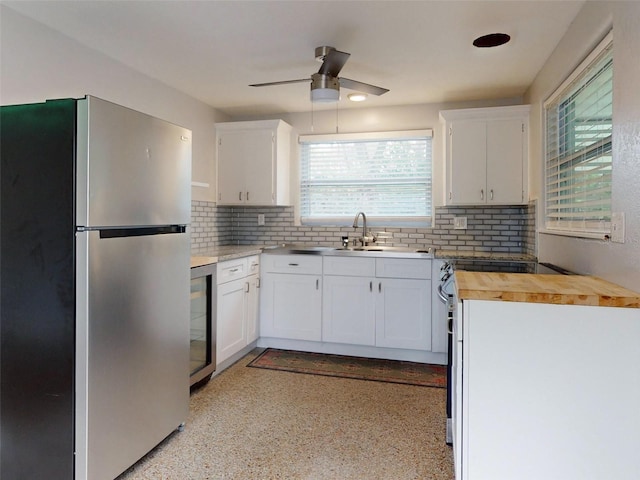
(324, 89)
(357, 97)
(491, 40)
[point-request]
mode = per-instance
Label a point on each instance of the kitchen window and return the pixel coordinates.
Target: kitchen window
(579, 120)
(387, 175)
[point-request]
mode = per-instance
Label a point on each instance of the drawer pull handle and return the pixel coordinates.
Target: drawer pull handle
(234, 270)
(293, 264)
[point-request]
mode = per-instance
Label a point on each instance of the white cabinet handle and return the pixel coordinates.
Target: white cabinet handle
(491, 193)
(246, 287)
(482, 194)
(234, 270)
(258, 282)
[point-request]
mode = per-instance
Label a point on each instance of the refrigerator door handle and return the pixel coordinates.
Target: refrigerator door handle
(141, 231)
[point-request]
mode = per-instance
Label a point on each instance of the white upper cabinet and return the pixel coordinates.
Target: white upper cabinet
(486, 155)
(253, 162)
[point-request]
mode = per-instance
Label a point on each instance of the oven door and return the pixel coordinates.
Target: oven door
(202, 334)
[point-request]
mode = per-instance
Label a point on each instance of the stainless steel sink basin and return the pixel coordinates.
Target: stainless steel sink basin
(289, 248)
(367, 250)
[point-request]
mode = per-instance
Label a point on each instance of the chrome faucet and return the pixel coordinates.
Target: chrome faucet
(365, 239)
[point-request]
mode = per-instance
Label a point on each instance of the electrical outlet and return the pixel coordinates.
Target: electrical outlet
(617, 227)
(261, 219)
(459, 223)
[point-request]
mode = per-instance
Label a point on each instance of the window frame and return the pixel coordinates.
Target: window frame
(583, 75)
(372, 220)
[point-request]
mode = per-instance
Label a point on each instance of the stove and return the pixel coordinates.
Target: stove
(506, 266)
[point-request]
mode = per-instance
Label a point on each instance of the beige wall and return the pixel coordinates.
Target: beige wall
(619, 263)
(38, 63)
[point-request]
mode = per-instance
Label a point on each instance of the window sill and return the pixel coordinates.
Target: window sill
(567, 233)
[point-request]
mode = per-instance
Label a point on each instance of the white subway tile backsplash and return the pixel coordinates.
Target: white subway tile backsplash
(497, 229)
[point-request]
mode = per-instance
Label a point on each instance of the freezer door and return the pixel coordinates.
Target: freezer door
(132, 169)
(132, 368)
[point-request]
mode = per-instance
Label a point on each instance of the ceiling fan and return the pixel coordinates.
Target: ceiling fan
(325, 84)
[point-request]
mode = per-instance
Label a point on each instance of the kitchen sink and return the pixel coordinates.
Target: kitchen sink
(367, 250)
(292, 248)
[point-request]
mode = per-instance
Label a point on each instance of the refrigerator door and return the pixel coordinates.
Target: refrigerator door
(132, 169)
(37, 290)
(132, 369)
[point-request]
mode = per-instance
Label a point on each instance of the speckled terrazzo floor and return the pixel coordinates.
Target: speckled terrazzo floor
(249, 423)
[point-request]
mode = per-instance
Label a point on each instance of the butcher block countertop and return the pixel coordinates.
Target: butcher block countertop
(536, 288)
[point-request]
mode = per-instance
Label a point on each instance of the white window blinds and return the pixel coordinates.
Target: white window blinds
(386, 175)
(578, 148)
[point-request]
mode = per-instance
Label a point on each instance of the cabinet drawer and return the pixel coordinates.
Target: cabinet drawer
(403, 268)
(356, 267)
(301, 264)
(231, 270)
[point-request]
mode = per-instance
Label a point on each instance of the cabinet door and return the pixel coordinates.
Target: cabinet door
(231, 315)
(467, 163)
(456, 390)
(231, 168)
(253, 296)
(348, 310)
(403, 313)
(291, 306)
(259, 167)
(505, 161)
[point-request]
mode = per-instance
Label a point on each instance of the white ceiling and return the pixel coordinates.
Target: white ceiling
(420, 50)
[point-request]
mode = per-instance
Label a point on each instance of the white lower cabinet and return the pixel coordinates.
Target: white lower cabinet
(349, 305)
(237, 305)
(381, 302)
(253, 304)
(291, 297)
(348, 310)
(546, 391)
(403, 313)
(231, 324)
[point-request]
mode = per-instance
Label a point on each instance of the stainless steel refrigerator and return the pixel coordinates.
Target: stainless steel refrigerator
(94, 242)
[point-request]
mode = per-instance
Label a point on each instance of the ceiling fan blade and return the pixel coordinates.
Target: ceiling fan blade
(333, 62)
(362, 87)
(284, 82)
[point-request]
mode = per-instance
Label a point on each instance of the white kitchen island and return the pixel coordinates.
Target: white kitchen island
(545, 388)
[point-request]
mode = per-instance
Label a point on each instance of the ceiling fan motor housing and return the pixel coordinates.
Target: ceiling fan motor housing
(324, 88)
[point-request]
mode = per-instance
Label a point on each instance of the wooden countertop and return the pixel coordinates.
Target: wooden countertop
(536, 288)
